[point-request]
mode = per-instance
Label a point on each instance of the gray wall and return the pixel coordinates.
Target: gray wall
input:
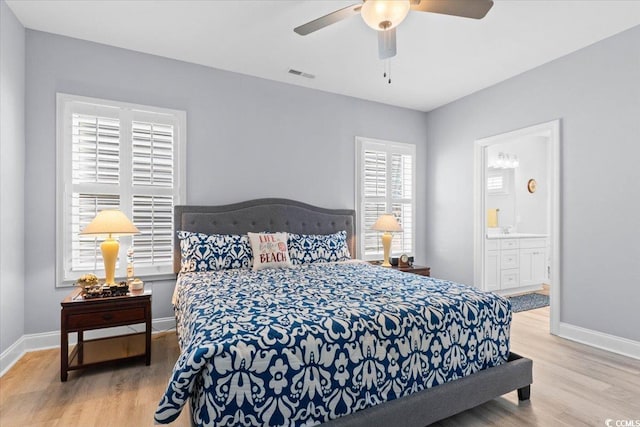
(532, 208)
(12, 166)
(247, 138)
(238, 125)
(596, 93)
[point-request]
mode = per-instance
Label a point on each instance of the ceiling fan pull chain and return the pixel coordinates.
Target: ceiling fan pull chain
(387, 70)
(389, 66)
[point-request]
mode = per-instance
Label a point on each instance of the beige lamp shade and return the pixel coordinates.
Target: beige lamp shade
(387, 222)
(111, 222)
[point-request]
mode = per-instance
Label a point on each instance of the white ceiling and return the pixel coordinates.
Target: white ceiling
(440, 58)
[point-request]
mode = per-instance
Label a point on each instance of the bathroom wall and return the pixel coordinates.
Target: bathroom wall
(532, 209)
(525, 212)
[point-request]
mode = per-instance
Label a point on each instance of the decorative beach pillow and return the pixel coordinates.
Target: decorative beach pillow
(203, 252)
(310, 248)
(269, 250)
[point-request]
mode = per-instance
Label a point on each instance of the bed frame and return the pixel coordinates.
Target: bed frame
(416, 410)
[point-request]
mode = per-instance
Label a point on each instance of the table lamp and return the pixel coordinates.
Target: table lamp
(111, 223)
(387, 223)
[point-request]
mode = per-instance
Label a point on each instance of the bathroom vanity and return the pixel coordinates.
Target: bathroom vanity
(515, 262)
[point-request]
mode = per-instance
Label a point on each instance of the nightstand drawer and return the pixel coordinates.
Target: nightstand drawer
(106, 318)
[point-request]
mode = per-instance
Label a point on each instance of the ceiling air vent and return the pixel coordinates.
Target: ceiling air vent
(301, 73)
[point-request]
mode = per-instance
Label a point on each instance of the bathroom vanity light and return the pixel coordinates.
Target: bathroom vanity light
(506, 161)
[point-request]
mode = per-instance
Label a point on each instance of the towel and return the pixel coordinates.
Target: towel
(492, 217)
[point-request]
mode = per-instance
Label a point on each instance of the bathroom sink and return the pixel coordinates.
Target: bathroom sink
(514, 235)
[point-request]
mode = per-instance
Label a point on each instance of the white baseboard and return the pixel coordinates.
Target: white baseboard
(612, 343)
(11, 355)
(46, 340)
(517, 291)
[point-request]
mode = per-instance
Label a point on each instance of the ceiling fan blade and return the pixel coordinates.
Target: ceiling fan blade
(387, 43)
(475, 9)
(329, 19)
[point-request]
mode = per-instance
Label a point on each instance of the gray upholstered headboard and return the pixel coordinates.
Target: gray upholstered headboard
(262, 215)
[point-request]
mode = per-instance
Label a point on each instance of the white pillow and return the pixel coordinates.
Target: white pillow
(269, 250)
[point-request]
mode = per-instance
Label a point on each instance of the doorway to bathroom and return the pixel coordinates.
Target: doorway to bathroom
(517, 214)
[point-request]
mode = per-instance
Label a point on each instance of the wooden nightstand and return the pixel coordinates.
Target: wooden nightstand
(79, 315)
(415, 269)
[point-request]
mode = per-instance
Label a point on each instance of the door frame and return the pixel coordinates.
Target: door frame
(552, 131)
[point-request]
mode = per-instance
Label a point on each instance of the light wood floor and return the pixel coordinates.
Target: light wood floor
(574, 385)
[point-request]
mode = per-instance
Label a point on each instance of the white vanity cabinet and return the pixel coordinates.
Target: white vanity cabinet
(533, 261)
(492, 265)
(509, 263)
(512, 263)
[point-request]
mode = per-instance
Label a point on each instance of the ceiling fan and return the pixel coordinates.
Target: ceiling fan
(384, 15)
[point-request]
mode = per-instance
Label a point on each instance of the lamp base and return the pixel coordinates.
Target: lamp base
(110, 248)
(386, 247)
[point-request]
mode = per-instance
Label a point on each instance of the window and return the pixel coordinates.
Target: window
(116, 155)
(385, 183)
(495, 183)
(498, 181)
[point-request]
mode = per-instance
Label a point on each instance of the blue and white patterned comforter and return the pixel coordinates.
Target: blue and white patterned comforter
(308, 344)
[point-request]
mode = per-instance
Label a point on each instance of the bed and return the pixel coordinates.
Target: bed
(345, 343)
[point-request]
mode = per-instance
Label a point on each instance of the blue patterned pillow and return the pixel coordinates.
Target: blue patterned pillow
(310, 248)
(203, 252)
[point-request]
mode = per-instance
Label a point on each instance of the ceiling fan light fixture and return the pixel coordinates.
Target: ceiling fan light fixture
(382, 15)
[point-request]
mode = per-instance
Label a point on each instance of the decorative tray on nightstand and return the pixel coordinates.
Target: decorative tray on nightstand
(104, 291)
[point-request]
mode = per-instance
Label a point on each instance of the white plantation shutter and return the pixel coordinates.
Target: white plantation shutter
(96, 149)
(497, 181)
(385, 184)
(403, 241)
(494, 183)
(402, 201)
(375, 173)
(86, 253)
(153, 193)
(372, 242)
(153, 215)
(124, 156)
(374, 183)
(152, 154)
(401, 176)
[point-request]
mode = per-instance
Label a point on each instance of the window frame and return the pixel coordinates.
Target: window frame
(390, 147)
(66, 106)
